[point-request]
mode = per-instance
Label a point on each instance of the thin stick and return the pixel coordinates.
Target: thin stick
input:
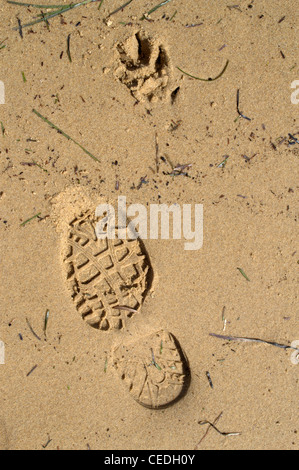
(206, 79)
(65, 135)
(227, 434)
(238, 110)
(47, 443)
(30, 372)
(157, 152)
(207, 431)
(209, 379)
(68, 48)
(294, 139)
(20, 28)
(173, 16)
(253, 340)
(46, 321)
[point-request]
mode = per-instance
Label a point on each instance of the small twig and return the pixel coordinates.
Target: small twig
(293, 139)
(30, 372)
(207, 431)
(238, 110)
(236, 7)
(209, 379)
(47, 443)
(206, 79)
(20, 28)
(46, 322)
(142, 182)
(254, 340)
(157, 153)
(227, 434)
(46, 21)
(174, 15)
(68, 49)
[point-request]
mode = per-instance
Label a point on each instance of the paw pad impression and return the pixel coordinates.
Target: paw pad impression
(144, 67)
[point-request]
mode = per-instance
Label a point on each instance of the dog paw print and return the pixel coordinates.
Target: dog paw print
(143, 65)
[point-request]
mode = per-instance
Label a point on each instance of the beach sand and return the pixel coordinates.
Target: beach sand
(62, 388)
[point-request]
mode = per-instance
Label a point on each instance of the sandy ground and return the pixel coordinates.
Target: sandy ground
(74, 398)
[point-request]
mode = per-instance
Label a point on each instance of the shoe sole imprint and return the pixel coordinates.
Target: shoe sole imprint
(104, 274)
(154, 369)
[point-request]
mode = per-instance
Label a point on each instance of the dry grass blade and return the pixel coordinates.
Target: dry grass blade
(34, 5)
(65, 135)
(244, 274)
(154, 9)
(32, 330)
(46, 321)
(61, 9)
(206, 79)
(29, 220)
(120, 8)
